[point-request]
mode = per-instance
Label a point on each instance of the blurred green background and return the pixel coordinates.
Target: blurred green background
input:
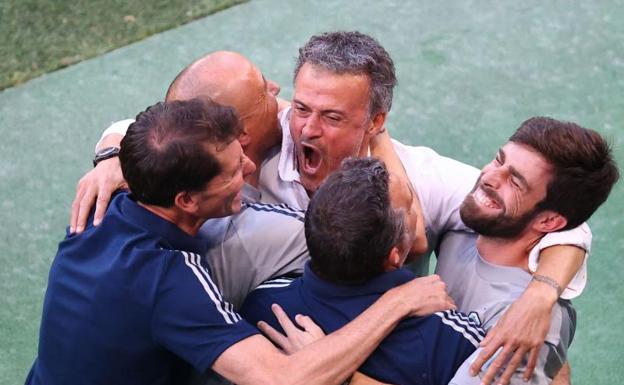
(469, 73)
(40, 36)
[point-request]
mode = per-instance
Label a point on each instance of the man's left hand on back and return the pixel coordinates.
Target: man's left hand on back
(295, 338)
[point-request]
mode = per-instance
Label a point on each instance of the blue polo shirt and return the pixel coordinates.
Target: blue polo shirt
(131, 302)
(425, 350)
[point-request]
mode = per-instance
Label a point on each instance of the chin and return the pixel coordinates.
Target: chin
(311, 184)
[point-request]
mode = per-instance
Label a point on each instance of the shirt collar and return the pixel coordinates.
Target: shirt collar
(498, 273)
(378, 285)
(250, 194)
(287, 166)
(172, 234)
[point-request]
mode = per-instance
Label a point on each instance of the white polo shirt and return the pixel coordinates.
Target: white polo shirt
(440, 182)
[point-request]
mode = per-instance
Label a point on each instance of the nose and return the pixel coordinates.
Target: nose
(312, 127)
(248, 166)
(273, 87)
(493, 177)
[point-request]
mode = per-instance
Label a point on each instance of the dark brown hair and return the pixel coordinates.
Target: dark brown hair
(165, 152)
(584, 170)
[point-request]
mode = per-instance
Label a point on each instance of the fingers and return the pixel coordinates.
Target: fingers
(482, 358)
(528, 372)
(75, 207)
(511, 367)
(278, 338)
(103, 198)
(431, 296)
(84, 207)
(309, 326)
(496, 365)
(283, 319)
(450, 303)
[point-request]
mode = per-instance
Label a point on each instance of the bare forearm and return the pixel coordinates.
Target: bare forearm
(329, 360)
(381, 146)
(560, 263)
(334, 358)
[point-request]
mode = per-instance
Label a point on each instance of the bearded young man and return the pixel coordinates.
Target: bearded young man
(344, 83)
(550, 176)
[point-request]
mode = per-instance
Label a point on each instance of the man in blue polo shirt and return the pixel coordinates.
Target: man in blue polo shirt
(131, 302)
(358, 243)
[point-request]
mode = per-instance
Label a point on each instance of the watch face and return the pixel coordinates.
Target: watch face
(105, 153)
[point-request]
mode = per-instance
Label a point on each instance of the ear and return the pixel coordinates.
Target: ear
(377, 124)
(244, 139)
(393, 260)
(186, 202)
(549, 221)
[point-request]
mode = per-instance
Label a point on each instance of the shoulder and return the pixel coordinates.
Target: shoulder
(258, 303)
(458, 324)
(273, 211)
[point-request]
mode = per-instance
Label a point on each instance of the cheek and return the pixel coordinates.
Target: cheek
(513, 201)
(340, 146)
(296, 125)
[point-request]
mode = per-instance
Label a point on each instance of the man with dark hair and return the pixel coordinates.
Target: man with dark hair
(132, 301)
(230, 79)
(343, 92)
(359, 229)
(551, 175)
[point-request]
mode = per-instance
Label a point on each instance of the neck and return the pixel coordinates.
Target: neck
(257, 157)
(185, 222)
(508, 251)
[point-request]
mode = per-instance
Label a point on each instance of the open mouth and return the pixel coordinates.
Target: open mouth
(311, 159)
(486, 199)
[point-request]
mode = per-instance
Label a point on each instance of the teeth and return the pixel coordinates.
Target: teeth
(484, 200)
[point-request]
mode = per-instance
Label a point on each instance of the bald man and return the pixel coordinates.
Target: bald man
(229, 79)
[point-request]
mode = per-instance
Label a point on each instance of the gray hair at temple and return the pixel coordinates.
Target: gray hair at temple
(353, 53)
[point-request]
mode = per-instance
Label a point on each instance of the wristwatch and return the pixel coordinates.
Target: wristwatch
(105, 153)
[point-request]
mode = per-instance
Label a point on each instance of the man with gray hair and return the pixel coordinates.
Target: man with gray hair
(344, 84)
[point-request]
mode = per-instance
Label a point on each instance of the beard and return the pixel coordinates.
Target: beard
(498, 226)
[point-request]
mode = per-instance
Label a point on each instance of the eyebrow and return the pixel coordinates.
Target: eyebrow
(514, 171)
(328, 111)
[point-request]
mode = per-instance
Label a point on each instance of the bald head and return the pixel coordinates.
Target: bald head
(218, 75)
(231, 79)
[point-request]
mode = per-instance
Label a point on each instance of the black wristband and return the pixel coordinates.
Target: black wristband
(105, 153)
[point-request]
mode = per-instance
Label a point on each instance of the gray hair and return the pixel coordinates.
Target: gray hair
(353, 53)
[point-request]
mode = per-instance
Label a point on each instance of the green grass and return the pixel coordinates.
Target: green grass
(40, 36)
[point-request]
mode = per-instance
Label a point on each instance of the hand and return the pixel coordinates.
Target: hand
(424, 296)
(520, 331)
(362, 379)
(96, 186)
(295, 338)
(380, 143)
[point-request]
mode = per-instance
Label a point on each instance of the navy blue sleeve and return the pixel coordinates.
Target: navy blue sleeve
(451, 338)
(257, 307)
(190, 317)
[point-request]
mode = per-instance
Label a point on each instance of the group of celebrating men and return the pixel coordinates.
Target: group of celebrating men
(224, 200)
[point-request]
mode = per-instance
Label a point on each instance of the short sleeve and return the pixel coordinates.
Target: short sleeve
(580, 236)
(119, 127)
(190, 317)
(451, 338)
